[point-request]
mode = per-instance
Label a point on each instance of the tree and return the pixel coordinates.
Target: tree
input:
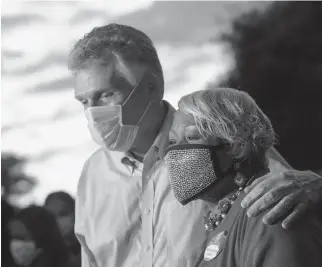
(278, 61)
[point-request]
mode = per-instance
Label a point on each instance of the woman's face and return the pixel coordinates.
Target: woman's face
(22, 247)
(63, 214)
(185, 131)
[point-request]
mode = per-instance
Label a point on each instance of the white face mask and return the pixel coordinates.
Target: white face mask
(23, 252)
(106, 127)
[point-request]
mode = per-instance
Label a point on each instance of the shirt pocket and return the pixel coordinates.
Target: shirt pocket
(186, 235)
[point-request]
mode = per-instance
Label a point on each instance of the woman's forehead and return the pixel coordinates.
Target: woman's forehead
(181, 118)
(56, 206)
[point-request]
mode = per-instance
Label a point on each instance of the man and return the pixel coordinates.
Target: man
(126, 214)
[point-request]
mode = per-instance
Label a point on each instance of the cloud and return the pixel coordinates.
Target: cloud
(13, 21)
(57, 85)
(12, 54)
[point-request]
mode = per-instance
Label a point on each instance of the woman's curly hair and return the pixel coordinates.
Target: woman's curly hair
(232, 116)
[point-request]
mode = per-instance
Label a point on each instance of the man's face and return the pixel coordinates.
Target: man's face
(105, 86)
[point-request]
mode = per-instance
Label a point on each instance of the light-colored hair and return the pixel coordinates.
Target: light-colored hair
(117, 44)
(232, 116)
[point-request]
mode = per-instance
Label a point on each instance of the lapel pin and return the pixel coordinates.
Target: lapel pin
(215, 246)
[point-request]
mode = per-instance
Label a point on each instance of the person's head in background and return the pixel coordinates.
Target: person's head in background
(118, 77)
(62, 206)
(36, 240)
(235, 128)
(7, 212)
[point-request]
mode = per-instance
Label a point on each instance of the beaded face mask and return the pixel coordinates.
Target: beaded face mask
(192, 168)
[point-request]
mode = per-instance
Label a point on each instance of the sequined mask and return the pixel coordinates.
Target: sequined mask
(192, 168)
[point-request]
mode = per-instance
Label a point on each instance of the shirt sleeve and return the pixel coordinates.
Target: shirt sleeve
(85, 253)
(273, 246)
(80, 218)
(85, 261)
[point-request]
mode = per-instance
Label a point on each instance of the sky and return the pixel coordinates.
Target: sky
(41, 119)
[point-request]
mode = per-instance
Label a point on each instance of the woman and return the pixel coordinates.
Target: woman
(218, 145)
(36, 240)
(62, 206)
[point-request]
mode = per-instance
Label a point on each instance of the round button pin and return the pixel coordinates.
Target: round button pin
(215, 246)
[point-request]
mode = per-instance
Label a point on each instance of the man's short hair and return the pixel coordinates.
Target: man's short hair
(119, 44)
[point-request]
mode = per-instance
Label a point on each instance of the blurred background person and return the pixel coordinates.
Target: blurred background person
(62, 206)
(36, 240)
(7, 213)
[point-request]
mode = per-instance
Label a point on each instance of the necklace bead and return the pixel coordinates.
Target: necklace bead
(224, 205)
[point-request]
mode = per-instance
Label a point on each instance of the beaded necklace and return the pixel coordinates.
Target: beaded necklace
(212, 221)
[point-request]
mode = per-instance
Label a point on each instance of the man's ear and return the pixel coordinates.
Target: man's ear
(152, 87)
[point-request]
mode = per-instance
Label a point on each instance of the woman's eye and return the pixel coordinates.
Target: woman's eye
(172, 142)
(193, 137)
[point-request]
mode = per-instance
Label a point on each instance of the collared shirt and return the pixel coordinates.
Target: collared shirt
(127, 215)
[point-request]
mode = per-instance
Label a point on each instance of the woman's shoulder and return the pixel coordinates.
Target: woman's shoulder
(309, 225)
(301, 244)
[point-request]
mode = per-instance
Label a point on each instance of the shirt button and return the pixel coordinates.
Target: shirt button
(147, 211)
(147, 248)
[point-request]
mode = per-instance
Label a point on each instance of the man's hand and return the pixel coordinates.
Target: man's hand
(289, 194)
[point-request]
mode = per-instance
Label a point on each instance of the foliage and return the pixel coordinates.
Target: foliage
(278, 61)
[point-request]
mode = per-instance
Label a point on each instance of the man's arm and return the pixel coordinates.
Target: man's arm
(85, 253)
(81, 218)
(286, 193)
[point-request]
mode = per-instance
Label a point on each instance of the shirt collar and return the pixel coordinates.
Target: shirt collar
(161, 141)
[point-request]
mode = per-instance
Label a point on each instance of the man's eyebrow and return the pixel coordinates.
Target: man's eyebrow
(93, 94)
(104, 89)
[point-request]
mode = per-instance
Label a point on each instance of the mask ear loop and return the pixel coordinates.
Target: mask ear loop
(135, 88)
(146, 110)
